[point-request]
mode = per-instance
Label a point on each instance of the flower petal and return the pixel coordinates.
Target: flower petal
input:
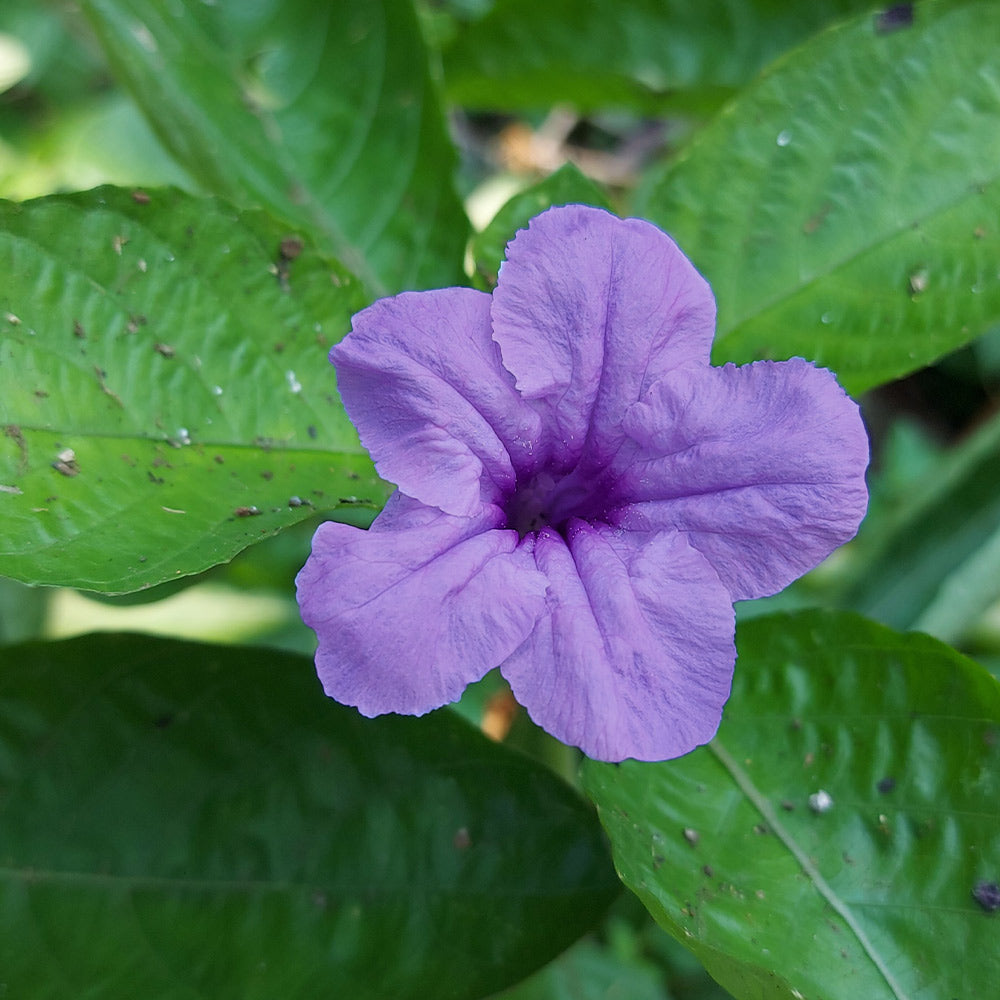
(589, 311)
(635, 656)
(422, 381)
(414, 609)
(762, 466)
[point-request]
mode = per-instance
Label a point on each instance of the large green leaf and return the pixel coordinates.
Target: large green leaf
(869, 897)
(935, 565)
(845, 207)
(646, 54)
(323, 113)
(188, 821)
(165, 398)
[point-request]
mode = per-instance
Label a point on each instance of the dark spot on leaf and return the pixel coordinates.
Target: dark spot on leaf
(164, 349)
(886, 785)
(162, 721)
(154, 479)
(247, 511)
(787, 805)
(658, 860)
(290, 248)
(41, 394)
(708, 871)
(101, 375)
(267, 474)
(893, 18)
(78, 330)
(761, 830)
(278, 348)
(311, 431)
(987, 895)
(219, 460)
(140, 197)
(14, 433)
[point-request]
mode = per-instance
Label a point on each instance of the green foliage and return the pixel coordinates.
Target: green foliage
(936, 565)
(181, 820)
(648, 55)
(564, 186)
(733, 854)
(165, 377)
(186, 821)
(844, 206)
(323, 114)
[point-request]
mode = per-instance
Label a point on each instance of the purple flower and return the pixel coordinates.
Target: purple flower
(581, 496)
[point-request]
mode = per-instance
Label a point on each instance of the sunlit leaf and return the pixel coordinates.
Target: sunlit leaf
(165, 397)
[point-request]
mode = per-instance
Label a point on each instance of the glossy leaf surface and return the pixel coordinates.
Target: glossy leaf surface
(828, 842)
(188, 821)
(844, 207)
(165, 396)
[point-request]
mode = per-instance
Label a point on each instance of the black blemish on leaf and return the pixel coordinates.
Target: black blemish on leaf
(987, 895)
(267, 474)
(163, 721)
(893, 18)
(311, 431)
(78, 330)
(887, 784)
(288, 250)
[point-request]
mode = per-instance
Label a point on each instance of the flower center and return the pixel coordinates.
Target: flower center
(548, 501)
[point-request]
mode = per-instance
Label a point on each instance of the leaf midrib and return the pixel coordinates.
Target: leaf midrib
(760, 803)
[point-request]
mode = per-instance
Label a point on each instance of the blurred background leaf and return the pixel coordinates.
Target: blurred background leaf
(324, 114)
(181, 820)
(650, 56)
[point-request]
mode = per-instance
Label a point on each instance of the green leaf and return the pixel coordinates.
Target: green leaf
(647, 55)
(590, 972)
(844, 207)
(163, 376)
(324, 114)
(189, 821)
(935, 566)
(565, 186)
(871, 898)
